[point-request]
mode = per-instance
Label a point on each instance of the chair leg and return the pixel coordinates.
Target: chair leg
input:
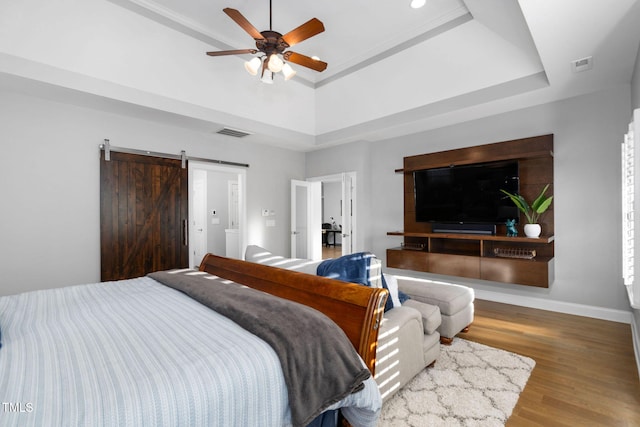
(446, 340)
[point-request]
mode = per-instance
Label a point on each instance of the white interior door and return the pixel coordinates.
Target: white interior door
(306, 223)
(348, 216)
(347, 213)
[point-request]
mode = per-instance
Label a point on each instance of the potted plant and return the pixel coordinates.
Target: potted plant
(533, 212)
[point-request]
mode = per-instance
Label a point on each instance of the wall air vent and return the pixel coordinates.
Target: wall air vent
(583, 64)
(233, 132)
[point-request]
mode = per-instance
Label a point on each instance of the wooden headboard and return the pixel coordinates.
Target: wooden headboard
(355, 308)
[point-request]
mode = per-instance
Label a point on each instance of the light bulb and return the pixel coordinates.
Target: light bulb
(288, 72)
(252, 66)
(267, 75)
(275, 64)
(416, 4)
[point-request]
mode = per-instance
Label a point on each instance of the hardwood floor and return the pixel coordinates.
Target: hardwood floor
(331, 252)
(585, 372)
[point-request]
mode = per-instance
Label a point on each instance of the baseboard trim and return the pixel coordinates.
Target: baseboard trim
(619, 316)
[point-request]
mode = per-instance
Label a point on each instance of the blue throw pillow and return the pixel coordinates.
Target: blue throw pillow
(354, 268)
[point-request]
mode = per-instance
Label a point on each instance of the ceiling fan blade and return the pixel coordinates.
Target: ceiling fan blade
(243, 22)
(232, 52)
(305, 61)
(303, 32)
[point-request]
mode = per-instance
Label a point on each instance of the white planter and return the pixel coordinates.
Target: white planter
(532, 230)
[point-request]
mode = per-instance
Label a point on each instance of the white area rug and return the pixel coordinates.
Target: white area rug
(470, 385)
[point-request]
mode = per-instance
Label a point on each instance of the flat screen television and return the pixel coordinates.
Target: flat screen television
(467, 194)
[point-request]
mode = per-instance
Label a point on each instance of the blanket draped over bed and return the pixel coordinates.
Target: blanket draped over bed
(319, 364)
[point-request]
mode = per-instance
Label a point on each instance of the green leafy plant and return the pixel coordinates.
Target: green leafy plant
(537, 208)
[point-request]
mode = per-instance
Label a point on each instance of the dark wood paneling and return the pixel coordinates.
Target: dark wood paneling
(518, 271)
(535, 162)
(537, 146)
(143, 203)
(454, 265)
(408, 259)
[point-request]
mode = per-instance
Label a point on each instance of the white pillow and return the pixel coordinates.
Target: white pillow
(392, 286)
(375, 272)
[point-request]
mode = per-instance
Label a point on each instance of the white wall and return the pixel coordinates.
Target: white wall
(587, 130)
(49, 175)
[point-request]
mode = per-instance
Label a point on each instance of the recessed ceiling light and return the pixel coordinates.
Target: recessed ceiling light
(417, 4)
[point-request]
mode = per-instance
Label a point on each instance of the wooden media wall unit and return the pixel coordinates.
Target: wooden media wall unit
(496, 257)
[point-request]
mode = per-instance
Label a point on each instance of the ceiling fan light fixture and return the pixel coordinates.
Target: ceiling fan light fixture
(271, 47)
(267, 75)
(288, 72)
(275, 64)
(253, 66)
(417, 4)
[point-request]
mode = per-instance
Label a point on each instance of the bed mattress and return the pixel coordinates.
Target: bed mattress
(135, 352)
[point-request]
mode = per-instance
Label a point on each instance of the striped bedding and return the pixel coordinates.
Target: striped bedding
(137, 353)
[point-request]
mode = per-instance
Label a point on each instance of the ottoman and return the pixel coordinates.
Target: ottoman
(455, 303)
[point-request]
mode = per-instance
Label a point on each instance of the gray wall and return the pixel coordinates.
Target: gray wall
(49, 175)
(49, 170)
(217, 198)
(588, 131)
(352, 157)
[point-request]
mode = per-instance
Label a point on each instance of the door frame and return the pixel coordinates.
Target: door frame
(241, 173)
(340, 177)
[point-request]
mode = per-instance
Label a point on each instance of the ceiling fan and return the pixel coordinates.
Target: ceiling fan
(272, 46)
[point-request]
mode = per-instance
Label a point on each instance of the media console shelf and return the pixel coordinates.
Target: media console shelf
(518, 260)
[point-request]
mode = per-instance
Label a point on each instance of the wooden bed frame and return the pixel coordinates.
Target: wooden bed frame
(355, 308)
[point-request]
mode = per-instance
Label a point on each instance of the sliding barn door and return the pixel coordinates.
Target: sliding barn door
(143, 215)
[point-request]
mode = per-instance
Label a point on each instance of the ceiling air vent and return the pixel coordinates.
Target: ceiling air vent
(583, 64)
(233, 132)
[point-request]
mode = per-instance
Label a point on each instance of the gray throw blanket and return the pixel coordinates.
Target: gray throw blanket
(319, 362)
